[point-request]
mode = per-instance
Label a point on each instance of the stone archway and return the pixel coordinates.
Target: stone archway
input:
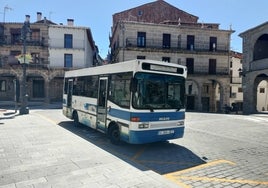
(210, 94)
(261, 48)
(218, 92)
(214, 94)
(9, 86)
(55, 86)
(36, 86)
(192, 95)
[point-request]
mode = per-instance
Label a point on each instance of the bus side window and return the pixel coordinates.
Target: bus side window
(90, 86)
(119, 90)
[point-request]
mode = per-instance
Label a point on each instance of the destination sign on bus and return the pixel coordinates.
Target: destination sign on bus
(154, 67)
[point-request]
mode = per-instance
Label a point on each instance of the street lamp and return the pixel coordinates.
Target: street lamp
(24, 32)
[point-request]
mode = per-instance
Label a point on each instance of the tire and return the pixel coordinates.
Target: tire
(76, 119)
(114, 134)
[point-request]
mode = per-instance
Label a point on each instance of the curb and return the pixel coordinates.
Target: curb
(7, 114)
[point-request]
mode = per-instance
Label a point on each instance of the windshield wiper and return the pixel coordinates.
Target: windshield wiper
(178, 109)
(150, 107)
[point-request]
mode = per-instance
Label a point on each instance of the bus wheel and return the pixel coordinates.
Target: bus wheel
(114, 134)
(76, 120)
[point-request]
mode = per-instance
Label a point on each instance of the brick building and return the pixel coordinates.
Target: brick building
(255, 67)
(160, 31)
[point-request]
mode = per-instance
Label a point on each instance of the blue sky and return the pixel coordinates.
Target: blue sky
(97, 15)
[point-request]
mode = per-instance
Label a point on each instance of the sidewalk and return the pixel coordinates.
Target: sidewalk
(9, 111)
(7, 114)
(36, 152)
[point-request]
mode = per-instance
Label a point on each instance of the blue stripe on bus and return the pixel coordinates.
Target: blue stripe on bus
(121, 114)
(146, 116)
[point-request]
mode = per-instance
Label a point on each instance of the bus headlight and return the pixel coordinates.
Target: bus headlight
(143, 125)
(180, 123)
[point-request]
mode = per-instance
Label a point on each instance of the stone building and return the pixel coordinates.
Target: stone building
(255, 66)
(163, 32)
(54, 48)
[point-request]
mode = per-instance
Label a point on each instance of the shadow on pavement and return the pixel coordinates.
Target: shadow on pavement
(161, 157)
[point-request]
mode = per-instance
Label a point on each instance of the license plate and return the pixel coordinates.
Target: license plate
(165, 132)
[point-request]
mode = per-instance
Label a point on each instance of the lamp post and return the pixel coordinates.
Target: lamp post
(24, 32)
(122, 27)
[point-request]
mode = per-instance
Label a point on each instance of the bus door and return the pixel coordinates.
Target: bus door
(102, 103)
(69, 97)
(69, 93)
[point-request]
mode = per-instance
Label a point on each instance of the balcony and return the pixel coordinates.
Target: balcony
(203, 70)
(5, 40)
(176, 46)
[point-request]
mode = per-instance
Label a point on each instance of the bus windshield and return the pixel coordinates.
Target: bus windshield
(155, 91)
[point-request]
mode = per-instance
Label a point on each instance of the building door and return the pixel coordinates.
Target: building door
(69, 93)
(141, 39)
(102, 103)
(190, 102)
(166, 40)
(212, 66)
(205, 104)
(38, 88)
(190, 65)
(190, 42)
(213, 43)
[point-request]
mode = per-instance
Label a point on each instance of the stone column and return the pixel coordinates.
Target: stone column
(225, 95)
(199, 97)
(249, 95)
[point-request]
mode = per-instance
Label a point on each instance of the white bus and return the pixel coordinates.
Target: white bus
(137, 101)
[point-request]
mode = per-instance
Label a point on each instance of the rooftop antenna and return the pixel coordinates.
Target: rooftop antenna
(6, 8)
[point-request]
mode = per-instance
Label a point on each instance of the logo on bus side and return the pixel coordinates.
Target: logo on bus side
(164, 118)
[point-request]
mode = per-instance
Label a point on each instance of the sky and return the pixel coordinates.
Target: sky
(240, 15)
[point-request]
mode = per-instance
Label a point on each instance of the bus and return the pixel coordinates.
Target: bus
(137, 101)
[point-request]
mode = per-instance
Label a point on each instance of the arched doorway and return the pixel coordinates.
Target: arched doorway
(56, 89)
(192, 92)
(35, 87)
(9, 87)
(261, 91)
(209, 93)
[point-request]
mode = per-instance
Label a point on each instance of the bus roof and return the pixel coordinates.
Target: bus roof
(126, 66)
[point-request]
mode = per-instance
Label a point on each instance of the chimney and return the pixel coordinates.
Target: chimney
(70, 22)
(39, 16)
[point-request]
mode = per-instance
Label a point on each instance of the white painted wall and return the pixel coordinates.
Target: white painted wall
(262, 98)
(81, 51)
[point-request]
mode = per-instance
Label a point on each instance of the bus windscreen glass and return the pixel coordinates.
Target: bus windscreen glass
(155, 91)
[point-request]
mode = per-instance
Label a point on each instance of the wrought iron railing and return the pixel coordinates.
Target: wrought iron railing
(17, 41)
(174, 45)
(204, 70)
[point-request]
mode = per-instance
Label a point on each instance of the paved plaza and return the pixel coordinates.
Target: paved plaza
(36, 151)
(44, 149)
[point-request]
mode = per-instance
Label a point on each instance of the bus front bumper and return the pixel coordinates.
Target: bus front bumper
(148, 136)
